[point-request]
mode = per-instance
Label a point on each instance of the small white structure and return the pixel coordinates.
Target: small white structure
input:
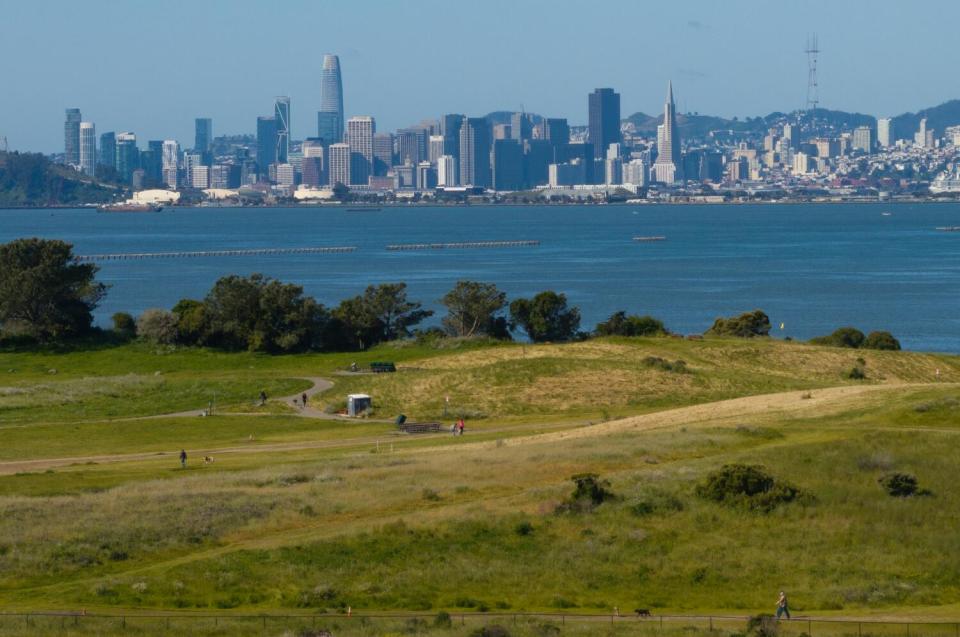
(357, 404)
(156, 196)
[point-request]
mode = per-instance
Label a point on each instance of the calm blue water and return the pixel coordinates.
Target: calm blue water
(813, 267)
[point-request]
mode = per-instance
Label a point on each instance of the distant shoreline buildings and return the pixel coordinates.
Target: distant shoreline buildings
(515, 152)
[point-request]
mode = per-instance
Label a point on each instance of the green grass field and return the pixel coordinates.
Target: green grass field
(305, 515)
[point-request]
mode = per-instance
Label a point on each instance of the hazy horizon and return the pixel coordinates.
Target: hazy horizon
(152, 69)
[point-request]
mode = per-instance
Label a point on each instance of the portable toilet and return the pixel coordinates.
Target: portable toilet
(357, 404)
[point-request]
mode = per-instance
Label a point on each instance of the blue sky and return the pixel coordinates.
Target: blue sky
(152, 66)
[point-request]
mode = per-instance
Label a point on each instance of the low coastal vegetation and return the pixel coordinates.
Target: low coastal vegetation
(626, 468)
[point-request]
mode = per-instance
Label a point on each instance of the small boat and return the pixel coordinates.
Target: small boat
(654, 238)
(129, 206)
(949, 228)
(886, 214)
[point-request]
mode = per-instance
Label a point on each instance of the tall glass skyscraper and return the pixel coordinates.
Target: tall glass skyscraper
(71, 138)
(281, 114)
(330, 118)
(88, 148)
(604, 107)
(203, 137)
(108, 150)
(266, 144)
(475, 152)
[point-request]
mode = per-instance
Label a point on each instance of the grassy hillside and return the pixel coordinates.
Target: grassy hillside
(302, 514)
(30, 179)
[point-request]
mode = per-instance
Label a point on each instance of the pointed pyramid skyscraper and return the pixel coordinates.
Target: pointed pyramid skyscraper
(667, 166)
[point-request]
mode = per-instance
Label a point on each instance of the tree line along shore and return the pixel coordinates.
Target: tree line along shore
(47, 296)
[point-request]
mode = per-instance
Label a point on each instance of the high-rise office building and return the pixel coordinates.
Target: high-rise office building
(507, 165)
(360, 132)
(203, 134)
(521, 126)
(450, 129)
(885, 132)
(604, 127)
(128, 156)
(71, 137)
(447, 170)
(151, 161)
(475, 152)
(411, 146)
(434, 148)
(920, 137)
(502, 131)
(330, 118)
(556, 131)
(635, 172)
(426, 176)
(170, 157)
(382, 153)
(338, 168)
(281, 113)
(538, 154)
(200, 176)
(863, 139)
(286, 175)
(88, 148)
(266, 144)
(108, 150)
(667, 166)
(792, 134)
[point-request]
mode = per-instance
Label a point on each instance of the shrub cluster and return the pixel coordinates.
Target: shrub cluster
(853, 338)
(678, 366)
(902, 485)
(748, 486)
(747, 325)
(589, 493)
(622, 324)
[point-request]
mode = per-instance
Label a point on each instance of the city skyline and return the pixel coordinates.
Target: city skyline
(855, 74)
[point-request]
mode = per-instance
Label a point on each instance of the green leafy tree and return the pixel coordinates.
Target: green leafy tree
(747, 325)
(473, 308)
(124, 324)
(262, 314)
(620, 324)
(881, 340)
(43, 292)
(842, 337)
(193, 322)
(546, 317)
(382, 313)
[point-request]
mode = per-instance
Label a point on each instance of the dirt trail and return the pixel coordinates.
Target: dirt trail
(792, 403)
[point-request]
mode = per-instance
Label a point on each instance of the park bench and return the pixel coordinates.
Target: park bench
(382, 367)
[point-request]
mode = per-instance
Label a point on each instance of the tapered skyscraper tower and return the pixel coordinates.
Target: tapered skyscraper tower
(667, 167)
(330, 118)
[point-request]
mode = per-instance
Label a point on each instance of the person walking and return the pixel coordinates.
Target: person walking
(303, 399)
(183, 458)
(263, 398)
(460, 425)
(782, 607)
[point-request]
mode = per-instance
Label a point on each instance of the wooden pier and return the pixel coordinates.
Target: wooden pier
(132, 256)
(462, 245)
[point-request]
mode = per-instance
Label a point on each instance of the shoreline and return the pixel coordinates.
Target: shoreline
(478, 204)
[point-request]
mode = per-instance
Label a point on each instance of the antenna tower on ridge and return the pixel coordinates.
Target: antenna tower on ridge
(813, 96)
